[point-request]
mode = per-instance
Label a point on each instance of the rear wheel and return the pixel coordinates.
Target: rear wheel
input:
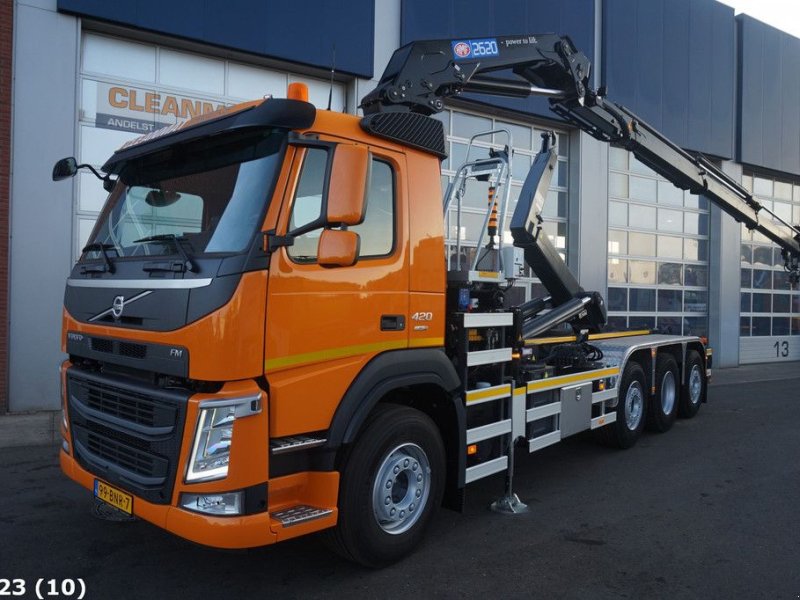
(631, 409)
(664, 406)
(694, 385)
(392, 482)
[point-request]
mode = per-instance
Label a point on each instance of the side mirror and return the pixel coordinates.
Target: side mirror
(347, 191)
(338, 248)
(65, 168)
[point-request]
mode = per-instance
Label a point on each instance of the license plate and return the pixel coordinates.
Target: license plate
(111, 495)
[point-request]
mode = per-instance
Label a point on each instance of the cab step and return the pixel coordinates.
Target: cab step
(295, 443)
(301, 513)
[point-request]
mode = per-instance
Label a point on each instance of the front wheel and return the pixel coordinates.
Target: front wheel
(392, 482)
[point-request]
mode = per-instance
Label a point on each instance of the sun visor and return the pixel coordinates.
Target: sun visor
(270, 113)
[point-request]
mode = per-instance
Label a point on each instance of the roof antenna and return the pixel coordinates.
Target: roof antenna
(333, 70)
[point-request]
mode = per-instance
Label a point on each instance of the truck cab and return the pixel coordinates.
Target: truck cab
(245, 270)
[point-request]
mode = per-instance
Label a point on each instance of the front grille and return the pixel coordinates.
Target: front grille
(129, 458)
(101, 345)
(136, 408)
(127, 432)
(133, 350)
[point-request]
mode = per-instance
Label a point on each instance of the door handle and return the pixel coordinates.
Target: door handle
(393, 322)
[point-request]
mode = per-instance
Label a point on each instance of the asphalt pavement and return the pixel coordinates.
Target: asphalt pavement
(707, 510)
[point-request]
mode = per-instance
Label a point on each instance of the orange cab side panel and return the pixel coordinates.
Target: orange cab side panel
(324, 325)
(428, 277)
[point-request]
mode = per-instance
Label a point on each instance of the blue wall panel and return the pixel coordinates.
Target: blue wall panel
(302, 31)
(443, 19)
(672, 63)
(769, 97)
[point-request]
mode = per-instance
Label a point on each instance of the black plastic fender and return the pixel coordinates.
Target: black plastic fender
(390, 371)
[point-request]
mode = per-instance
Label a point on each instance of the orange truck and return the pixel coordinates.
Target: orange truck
(267, 337)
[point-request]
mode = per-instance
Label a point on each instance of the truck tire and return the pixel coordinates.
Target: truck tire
(391, 484)
(664, 406)
(631, 409)
(694, 386)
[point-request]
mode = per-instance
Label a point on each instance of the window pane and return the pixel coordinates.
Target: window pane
(695, 301)
(307, 205)
(617, 242)
(520, 164)
(747, 278)
(617, 323)
(643, 189)
(643, 272)
(670, 325)
(695, 249)
(377, 230)
(670, 220)
(695, 326)
(762, 187)
(670, 300)
(617, 270)
(642, 217)
(521, 135)
(638, 322)
(696, 223)
(746, 254)
(781, 303)
(745, 302)
(642, 244)
(669, 194)
(762, 279)
(670, 274)
(617, 299)
(744, 327)
(780, 326)
(761, 326)
(642, 300)
(762, 303)
(795, 325)
(762, 256)
(670, 247)
(465, 126)
(618, 185)
(696, 275)
(618, 158)
(618, 214)
(780, 280)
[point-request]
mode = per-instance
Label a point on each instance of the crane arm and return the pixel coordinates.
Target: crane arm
(420, 75)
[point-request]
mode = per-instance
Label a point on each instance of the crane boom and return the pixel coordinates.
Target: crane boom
(420, 75)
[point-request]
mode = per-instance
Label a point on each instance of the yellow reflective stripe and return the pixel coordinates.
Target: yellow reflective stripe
(489, 274)
(592, 336)
(553, 382)
(425, 342)
(345, 351)
(520, 391)
(498, 391)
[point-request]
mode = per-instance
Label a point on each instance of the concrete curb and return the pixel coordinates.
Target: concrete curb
(43, 428)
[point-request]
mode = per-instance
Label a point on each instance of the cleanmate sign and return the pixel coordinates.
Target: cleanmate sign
(143, 111)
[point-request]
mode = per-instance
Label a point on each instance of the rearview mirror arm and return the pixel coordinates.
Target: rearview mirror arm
(108, 183)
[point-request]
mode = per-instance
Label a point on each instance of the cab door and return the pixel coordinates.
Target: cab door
(325, 323)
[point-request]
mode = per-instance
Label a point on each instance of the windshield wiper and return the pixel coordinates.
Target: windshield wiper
(176, 240)
(101, 248)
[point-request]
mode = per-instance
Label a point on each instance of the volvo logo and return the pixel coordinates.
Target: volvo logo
(117, 306)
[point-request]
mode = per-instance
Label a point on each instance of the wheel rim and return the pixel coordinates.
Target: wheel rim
(668, 392)
(401, 488)
(634, 405)
(695, 384)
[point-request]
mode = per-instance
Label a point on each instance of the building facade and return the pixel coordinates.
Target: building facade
(89, 76)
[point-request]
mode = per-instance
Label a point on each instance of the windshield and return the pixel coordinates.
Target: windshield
(208, 196)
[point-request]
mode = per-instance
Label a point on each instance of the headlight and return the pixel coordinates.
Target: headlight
(211, 452)
(212, 444)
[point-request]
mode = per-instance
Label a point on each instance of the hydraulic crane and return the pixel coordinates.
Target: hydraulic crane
(421, 75)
